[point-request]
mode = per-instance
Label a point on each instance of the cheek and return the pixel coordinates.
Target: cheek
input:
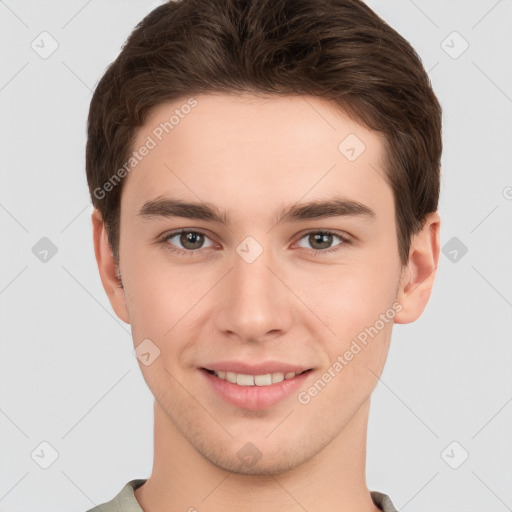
(153, 298)
(357, 306)
(351, 298)
(156, 309)
(362, 319)
(166, 305)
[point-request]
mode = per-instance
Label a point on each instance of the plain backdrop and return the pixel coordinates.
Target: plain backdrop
(71, 393)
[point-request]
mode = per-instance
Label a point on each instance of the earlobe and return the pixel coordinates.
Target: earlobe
(418, 277)
(108, 269)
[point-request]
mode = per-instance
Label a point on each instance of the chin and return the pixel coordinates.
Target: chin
(250, 461)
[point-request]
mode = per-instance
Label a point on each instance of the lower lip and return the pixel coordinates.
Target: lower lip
(255, 397)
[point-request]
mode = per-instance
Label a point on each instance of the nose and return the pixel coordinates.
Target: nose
(253, 302)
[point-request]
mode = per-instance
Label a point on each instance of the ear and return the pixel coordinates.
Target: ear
(418, 276)
(108, 268)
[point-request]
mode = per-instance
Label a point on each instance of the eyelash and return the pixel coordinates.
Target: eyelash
(316, 252)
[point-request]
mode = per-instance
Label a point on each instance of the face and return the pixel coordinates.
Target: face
(244, 290)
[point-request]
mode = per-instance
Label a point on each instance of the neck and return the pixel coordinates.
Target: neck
(184, 480)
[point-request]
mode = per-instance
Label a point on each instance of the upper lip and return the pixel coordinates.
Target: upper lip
(256, 368)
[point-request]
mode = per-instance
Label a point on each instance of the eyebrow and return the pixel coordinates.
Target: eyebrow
(313, 210)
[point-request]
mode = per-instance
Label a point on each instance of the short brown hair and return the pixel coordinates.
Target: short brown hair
(339, 50)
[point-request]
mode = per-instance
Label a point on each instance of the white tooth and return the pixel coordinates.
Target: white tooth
(254, 380)
(231, 377)
(263, 380)
(244, 380)
(277, 377)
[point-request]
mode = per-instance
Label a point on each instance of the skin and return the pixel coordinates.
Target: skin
(251, 156)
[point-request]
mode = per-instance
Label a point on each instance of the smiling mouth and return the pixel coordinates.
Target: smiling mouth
(242, 379)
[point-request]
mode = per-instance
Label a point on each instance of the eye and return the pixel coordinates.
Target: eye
(191, 242)
(321, 241)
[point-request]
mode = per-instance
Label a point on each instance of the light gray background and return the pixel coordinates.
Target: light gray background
(68, 376)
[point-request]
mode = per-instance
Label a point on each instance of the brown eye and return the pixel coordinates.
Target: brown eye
(320, 240)
(191, 240)
(186, 242)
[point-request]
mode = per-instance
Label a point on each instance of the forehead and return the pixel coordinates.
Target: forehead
(229, 117)
(257, 149)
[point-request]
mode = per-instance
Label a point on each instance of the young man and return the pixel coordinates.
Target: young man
(265, 177)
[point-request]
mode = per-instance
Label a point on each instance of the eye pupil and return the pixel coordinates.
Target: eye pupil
(190, 237)
(322, 238)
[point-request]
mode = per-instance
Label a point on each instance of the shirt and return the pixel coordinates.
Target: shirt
(125, 500)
